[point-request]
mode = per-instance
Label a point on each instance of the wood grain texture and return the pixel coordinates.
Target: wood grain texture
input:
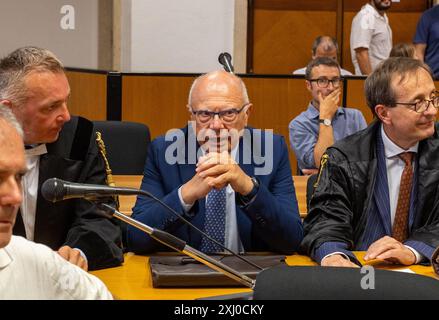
(88, 95)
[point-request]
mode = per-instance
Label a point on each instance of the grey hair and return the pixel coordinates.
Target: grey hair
(195, 83)
(7, 115)
(331, 43)
(378, 85)
(15, 67)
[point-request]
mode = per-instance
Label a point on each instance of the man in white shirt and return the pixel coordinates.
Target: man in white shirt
(29, 270)
(371, 36)
(324, 46)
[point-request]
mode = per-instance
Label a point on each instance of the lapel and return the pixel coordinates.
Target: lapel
(381, 190)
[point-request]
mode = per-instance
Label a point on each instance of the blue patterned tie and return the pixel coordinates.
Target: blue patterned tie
(215, 220)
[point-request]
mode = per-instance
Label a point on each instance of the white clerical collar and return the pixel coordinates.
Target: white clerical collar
(37, 150)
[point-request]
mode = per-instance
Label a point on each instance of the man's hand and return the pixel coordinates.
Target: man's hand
(223, 170)
(73, 256)
(195, 189)
(337, 260)
(329, 104)
(391, 250)
(308, 172)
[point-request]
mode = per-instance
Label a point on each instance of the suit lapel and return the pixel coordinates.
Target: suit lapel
(381, 190)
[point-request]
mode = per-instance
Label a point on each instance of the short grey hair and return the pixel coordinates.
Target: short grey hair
(195, 83)
(15, 67)
(7, 115)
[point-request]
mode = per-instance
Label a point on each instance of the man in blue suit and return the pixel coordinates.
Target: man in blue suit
(378, 189)
(229, 180)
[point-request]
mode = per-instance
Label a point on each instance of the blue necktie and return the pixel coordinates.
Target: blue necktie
(215, 220)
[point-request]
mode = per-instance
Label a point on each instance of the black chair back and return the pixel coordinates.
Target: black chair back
(126, 144)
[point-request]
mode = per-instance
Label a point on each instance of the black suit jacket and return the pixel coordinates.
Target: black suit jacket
(75, 222)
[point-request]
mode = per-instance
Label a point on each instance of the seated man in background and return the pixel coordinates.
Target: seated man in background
(324, 121)
(231, 181)
(377, 190)
(324, 46)
(29, 270)
(403, 50)
(33, 84)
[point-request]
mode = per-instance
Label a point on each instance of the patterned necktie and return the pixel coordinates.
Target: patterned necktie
(215, 220)
(400, 224)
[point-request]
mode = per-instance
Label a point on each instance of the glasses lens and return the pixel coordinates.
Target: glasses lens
(336, 82)
(229, 115)
(203, 116)
(323, 83)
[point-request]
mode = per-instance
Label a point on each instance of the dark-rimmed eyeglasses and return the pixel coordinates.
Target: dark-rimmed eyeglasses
(227, 116)
(423, 105)
(324, 83)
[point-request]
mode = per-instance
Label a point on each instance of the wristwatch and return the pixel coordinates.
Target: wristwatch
(249, 197)
(326, 122)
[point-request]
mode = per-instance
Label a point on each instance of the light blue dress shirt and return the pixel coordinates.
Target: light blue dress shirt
(304, 131)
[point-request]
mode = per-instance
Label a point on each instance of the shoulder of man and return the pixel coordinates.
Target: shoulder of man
(75, 139)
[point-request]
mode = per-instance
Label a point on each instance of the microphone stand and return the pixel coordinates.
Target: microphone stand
(180, 246)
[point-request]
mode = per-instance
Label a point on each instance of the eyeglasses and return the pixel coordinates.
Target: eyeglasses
(324, 83)
(227, 116)
(423, 105)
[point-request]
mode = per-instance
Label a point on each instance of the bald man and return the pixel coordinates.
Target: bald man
(232, 181)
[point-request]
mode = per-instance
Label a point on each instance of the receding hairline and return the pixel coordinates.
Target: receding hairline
(226, 77)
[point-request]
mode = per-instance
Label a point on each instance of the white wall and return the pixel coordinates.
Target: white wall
(175, 35)
(37, 23)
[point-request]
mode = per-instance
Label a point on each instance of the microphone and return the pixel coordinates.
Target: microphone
(179, 245)
(55, 190)
(226, 61)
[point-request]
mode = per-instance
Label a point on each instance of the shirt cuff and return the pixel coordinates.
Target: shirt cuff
(418, 256)
(82, 254)
(186, 207)
(423, 249)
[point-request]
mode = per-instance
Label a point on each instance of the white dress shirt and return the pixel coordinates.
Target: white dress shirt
(29, 185)
(231, 234)
(33, 271)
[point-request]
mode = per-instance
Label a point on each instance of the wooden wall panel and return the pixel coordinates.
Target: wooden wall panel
(159, 102)
(283, 38)
(88, 94)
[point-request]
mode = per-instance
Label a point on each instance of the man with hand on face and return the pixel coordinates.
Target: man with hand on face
(324, 122)
(29, 270)
(33, 84)
(377, 190)
(213, 185)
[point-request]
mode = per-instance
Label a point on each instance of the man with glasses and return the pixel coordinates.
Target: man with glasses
(324, 122)
(216, 184)
(377, 189)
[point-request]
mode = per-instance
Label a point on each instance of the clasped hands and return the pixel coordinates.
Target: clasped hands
(215, 170)
(386, 248)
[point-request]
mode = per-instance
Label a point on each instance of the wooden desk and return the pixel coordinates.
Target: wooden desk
(133, 280)
(127, 202)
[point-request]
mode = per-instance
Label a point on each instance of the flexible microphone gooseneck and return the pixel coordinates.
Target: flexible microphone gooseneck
(179, 245)
(55, 189)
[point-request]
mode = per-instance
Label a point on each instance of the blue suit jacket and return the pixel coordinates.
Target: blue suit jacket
(269, 223)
